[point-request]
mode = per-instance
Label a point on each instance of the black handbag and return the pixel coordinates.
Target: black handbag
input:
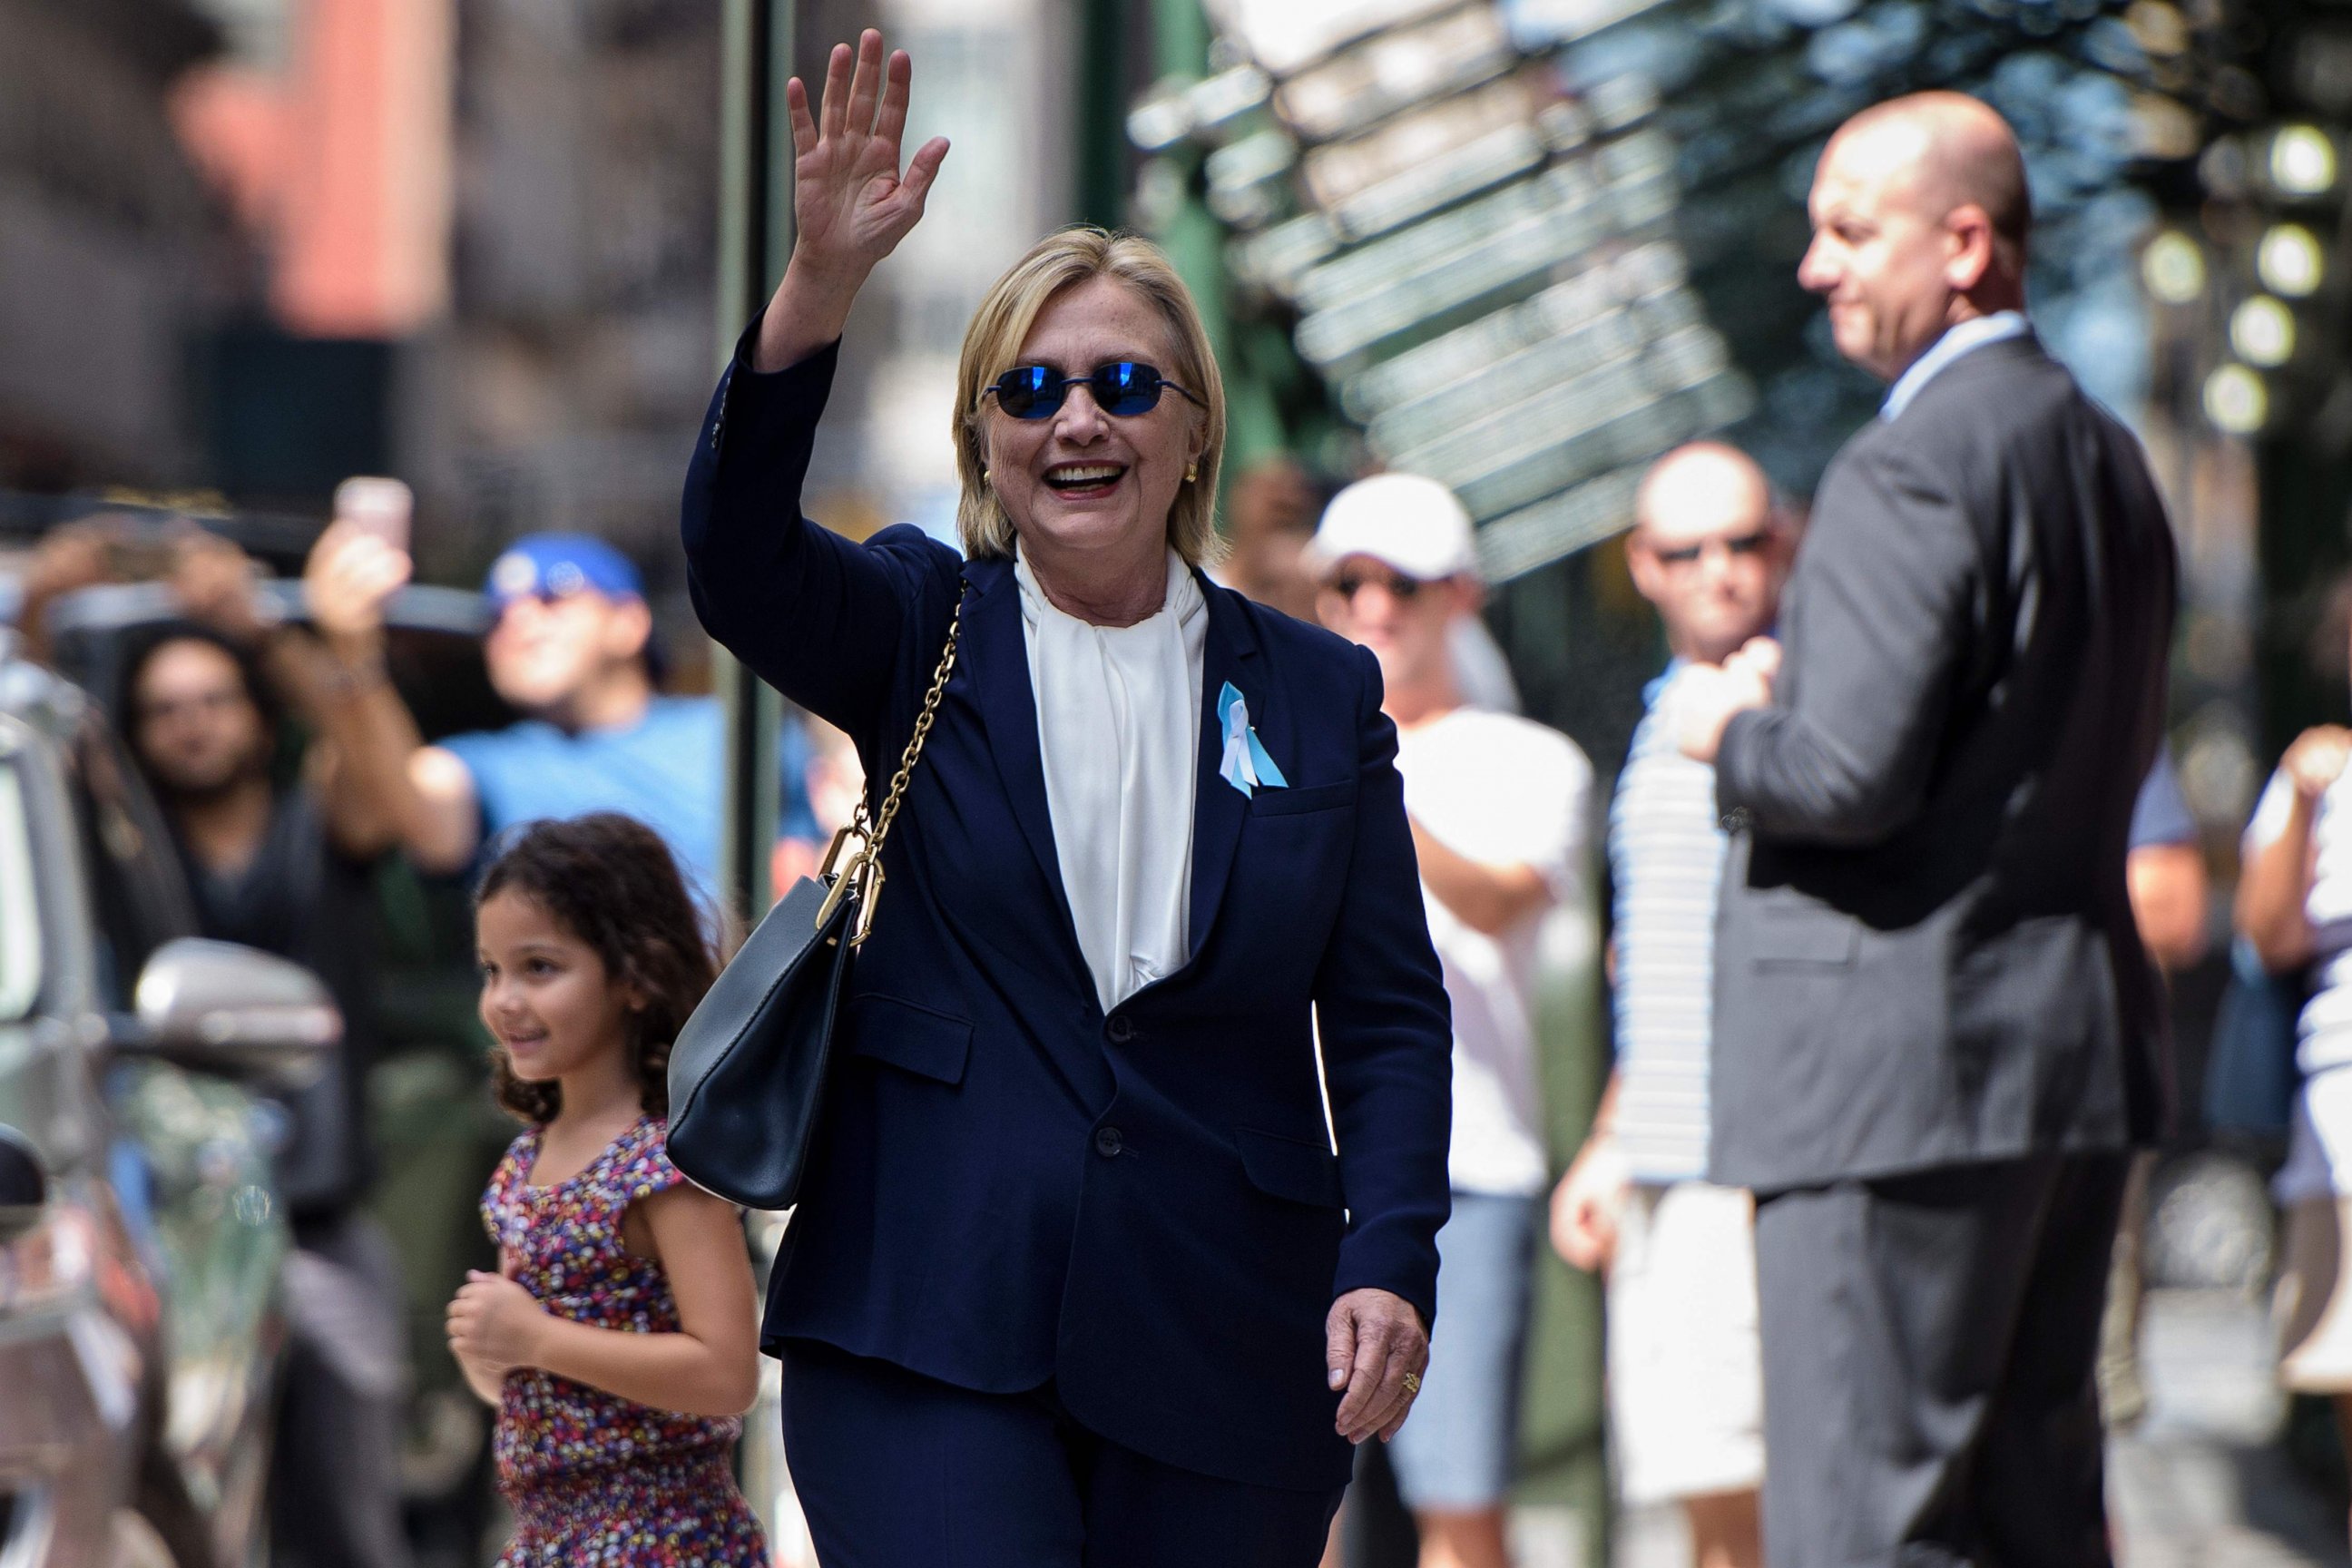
(748, 1072)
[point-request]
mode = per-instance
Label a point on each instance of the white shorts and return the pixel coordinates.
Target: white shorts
(2319, 1145)
(1686, 1364)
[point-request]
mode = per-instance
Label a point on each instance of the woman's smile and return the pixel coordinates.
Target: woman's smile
(1084, 481)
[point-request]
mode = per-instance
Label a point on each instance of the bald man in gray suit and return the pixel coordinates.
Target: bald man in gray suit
(1938, 1035)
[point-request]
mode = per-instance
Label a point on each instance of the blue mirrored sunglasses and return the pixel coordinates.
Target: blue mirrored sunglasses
(1122, 387)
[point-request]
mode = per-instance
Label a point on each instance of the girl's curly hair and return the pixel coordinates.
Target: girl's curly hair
(610, 881)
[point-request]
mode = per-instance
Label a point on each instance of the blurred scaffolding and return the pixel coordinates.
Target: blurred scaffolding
(1526, 248)
(1482, 267)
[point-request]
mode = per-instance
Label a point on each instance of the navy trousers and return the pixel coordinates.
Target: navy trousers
(899, 1470)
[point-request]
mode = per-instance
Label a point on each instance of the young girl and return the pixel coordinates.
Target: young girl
(617, 1339)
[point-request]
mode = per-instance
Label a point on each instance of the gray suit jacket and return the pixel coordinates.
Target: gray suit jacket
(1925, 954)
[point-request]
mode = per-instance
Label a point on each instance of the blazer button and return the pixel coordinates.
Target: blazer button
(1107, 1143)
(1121, 1028)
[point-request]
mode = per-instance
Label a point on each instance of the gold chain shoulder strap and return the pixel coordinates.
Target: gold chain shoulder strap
(861, 874)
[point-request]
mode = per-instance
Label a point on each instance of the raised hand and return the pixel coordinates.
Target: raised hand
(852, 201)
(351, 575)
(216, 584)
(851, 204)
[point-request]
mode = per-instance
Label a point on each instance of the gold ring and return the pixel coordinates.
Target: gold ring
(1413, 1383)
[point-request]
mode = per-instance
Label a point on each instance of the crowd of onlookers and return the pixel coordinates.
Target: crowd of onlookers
(1500, 810)
(287, 765)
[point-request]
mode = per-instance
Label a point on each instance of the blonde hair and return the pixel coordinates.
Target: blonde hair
(992, 345)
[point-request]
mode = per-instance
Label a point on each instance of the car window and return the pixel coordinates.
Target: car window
(137, 889)
(20, 914)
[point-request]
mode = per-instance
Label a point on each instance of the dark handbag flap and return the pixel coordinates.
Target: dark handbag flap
(747, 1074)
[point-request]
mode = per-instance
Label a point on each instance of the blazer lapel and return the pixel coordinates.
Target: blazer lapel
(1229, 654)
(999, 655)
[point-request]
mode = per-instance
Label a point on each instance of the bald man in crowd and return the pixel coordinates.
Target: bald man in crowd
(1711, 550)
(1937, 1035)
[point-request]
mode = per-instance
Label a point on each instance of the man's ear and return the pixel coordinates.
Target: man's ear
(1643, 567)
(630, 628)
(1969, 228)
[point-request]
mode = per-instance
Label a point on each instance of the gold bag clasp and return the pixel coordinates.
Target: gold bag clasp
(839, 874)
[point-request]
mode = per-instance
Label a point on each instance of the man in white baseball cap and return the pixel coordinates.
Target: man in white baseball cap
(1498, 808)
(1417, 526)
(1402, 520)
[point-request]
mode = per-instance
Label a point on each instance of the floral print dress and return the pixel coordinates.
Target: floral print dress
(594, 1478)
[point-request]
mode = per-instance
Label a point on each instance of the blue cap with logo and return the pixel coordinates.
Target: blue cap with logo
(554, 565)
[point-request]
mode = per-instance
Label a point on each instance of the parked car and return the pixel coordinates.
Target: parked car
(436, 1131)
(140, 1239)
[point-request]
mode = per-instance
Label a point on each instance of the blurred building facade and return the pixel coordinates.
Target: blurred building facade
(326, 125)
(1527, 246)
(114, 258)
(563, 387)
(514, 202)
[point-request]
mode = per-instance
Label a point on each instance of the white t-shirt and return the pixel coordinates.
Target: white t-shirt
(1502, 791)
(2324, 1035)
(2319, 1149)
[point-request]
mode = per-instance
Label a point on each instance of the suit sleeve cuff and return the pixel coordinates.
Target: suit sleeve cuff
(1398, 1277)
(771, 402)
(1733, 756)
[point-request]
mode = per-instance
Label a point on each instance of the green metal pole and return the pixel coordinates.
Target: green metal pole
(755, 225)
(1195, 242)
(1100, 136)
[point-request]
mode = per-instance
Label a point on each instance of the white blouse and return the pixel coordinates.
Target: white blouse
(1118, 722)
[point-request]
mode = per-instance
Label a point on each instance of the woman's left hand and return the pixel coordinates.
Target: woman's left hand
(1374, 1343)
(494, 1322)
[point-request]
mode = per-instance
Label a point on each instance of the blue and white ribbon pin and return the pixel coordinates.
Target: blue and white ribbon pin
(1245, 765)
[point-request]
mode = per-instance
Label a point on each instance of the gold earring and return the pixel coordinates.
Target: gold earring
(983, 476)
(1191, 472)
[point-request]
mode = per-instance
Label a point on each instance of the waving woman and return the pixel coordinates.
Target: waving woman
(1077, 1275)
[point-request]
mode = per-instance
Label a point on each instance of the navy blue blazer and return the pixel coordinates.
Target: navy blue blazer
(1012, 1187)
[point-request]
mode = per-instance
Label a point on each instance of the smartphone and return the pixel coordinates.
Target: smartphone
(379, 506)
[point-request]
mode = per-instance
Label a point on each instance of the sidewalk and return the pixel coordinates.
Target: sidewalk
(2199, 1483)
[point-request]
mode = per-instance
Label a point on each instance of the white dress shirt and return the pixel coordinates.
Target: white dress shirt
(1118, 729)
(1974, 334)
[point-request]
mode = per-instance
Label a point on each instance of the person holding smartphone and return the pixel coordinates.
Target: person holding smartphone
(570, 645)
(285, 864)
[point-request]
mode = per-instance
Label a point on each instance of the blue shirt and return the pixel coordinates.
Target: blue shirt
(2161, 814)
(1957, 341)
(668, 770)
